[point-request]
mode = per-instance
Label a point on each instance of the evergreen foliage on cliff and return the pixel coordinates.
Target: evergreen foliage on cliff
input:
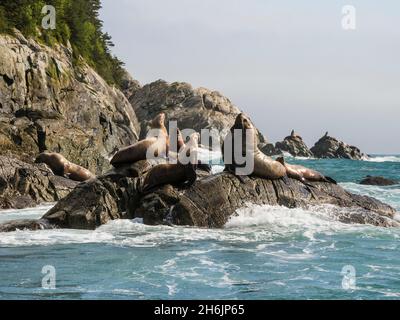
(77, 21)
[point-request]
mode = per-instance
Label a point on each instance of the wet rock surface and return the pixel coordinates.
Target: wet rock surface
(378, 181)
(209, 202)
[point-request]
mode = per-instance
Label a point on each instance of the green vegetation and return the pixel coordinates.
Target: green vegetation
(77, 21)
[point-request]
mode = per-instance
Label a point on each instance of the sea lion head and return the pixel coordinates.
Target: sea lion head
(158, 121)
(242, 122)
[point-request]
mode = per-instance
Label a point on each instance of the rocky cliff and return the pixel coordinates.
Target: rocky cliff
(192, 108)
(47, 102)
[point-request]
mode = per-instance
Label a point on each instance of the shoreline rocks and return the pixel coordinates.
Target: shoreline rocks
(209, 203)
(25, 185)
(378, 181)
(330, 147)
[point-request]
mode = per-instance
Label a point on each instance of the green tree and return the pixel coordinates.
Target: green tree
(77, 21)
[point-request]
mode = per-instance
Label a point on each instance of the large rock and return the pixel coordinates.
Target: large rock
(378, 181)
(192, 108)
(46, 102)
(269, 149)
(329, 147)
(209, 203)
(294, 145)
(26, 185)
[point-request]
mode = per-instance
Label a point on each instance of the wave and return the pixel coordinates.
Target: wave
(250, 224)
(382, 159)
(386, 194)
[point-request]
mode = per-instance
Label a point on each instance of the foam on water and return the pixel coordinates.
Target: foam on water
(251, 224)
(383, 159)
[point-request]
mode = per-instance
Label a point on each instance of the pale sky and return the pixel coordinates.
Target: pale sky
(287, 63)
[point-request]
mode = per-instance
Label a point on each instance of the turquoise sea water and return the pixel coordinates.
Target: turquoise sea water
(263, 253)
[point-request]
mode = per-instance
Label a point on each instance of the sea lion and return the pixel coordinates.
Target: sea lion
(62, 167)
(303, 174)
(138, 151)
(264, 166)
(180, 143)
(173, 173)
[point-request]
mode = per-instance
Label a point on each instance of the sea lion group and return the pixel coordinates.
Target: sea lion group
(264, 166)
(180, 166)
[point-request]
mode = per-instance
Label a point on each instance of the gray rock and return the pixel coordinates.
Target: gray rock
(269, 149)
(294, 145)
(26, 185)
(209, 203)
(192, 108)
(329, 147)
(378, 181)
(48, 103)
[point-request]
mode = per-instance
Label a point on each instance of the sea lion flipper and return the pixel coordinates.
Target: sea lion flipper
(329, 179)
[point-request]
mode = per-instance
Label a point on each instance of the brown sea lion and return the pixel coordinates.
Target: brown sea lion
(173, 173)
(264, 166)
(180, 143)
(139, 150)
(62, 167)
(303, 174)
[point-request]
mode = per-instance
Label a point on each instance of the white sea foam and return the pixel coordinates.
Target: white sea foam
(386, 194)
(253, 223)
(383, 159)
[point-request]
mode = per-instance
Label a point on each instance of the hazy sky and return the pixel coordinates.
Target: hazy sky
(287, 63)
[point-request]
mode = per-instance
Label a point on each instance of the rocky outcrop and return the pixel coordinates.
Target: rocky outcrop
(269, 149)
(192, 108)
(294, 145)
(329, 147)
(209, 203)
(26, 185)
(48, 102)
(378, 181)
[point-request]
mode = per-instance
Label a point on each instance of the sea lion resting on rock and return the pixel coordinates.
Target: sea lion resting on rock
(264, 166)
(303, 174)
(180, 143)
(159, 145)
(62, 167)
(171, 173)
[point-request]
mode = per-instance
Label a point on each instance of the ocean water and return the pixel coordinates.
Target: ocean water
(263, 253)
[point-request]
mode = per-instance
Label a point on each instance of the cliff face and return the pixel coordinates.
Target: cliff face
(47, 103)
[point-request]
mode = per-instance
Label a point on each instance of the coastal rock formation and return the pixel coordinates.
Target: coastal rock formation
(378, 181)
(192, 108)
(269, 149)
(329, 147)
(294, 145)
(26, 185)
(49, 102)
(209, 203)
